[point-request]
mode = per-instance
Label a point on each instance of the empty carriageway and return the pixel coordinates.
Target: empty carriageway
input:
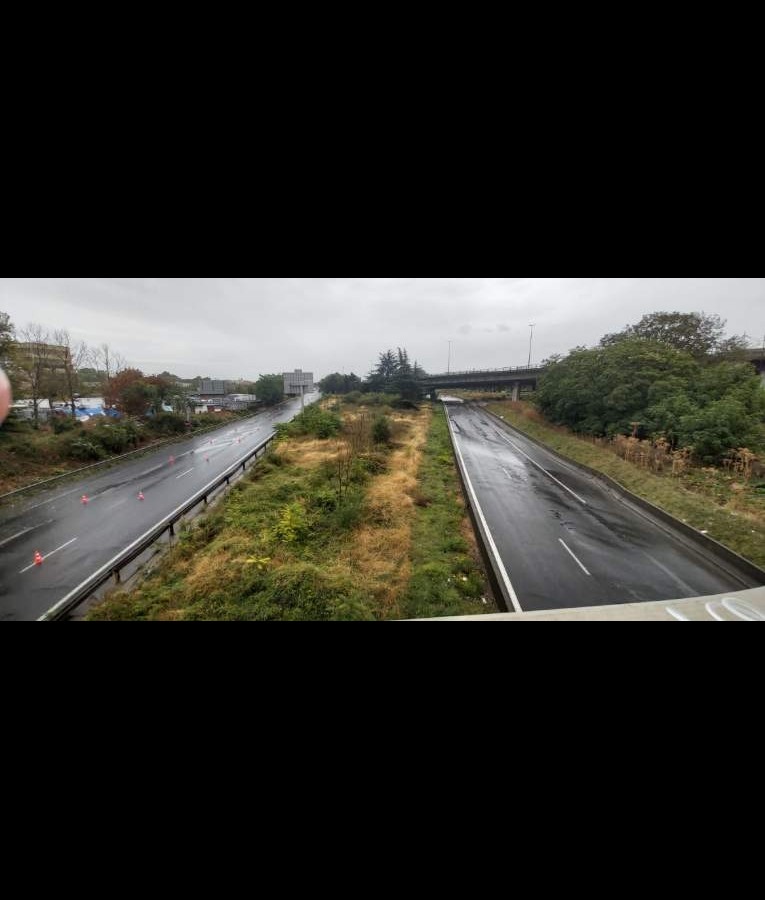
(564, 538)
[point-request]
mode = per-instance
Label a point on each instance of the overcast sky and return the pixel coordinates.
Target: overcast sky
(243, 327)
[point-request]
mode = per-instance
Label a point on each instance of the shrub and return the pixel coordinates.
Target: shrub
(62, 424)
(168, 423)
(381, 430)
(312, 421)
(292, 526)
(114, 438)
(82, 448)
(324, 500)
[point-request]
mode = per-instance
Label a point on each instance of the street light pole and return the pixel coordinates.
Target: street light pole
(449, 363)
(531, 337)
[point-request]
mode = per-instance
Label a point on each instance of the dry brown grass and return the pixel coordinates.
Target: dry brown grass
(309, 453)
(381, 547)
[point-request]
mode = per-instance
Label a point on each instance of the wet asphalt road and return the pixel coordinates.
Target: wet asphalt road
(76, 540)
(564, 538)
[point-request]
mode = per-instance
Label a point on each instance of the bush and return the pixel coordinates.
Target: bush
(62, 424)
(404, 404)
(167, 423)
(312, 421)
(115, 438)
(381, 430)
(82, 448)
(292, 527)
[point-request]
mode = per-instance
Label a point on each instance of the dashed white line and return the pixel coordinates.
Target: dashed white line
(52, 500)
(541, 468)
(13, 537)
(565, 545)
(184, 474)
(49, 554)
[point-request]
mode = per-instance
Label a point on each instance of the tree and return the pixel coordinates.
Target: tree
(33, 360)
(699, 334)
(269, 389)
(109, 363)
(7, 343)
(394, 374)
(405, 381)
(380, 379)
(76, 356)
(338, 383)
(129, 392)
(650, 390)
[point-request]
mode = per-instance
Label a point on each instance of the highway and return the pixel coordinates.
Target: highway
(564, 538)
(75, 539)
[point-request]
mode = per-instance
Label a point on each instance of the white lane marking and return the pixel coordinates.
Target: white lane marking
(52, 500)
(49, 554)
(477, 506)
(184, 474)
(575, 559)
(13, 537)
(542, 469)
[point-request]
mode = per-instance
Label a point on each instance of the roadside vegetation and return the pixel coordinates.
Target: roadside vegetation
(29, 454)
(355, 515)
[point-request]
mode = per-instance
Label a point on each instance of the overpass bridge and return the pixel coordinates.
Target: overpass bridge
(512, 379)
(757, 359)
(517, 377)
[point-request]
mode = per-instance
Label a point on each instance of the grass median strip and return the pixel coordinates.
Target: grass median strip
(333, 527)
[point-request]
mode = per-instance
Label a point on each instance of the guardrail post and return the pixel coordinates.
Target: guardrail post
(171, 530)
(116, 576)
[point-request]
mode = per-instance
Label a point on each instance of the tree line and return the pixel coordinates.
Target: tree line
(46, 364)
(392, 374)
(672, 376)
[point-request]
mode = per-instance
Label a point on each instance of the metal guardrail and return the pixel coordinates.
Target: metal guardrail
(113, 459)
(113, 568)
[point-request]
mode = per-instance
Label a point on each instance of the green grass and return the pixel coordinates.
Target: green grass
(447, 579)
(730, 510)
(265, 553)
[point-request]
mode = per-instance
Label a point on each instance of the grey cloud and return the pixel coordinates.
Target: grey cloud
(232, 327)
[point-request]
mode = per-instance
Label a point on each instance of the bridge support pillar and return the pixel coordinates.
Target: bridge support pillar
(516, 392)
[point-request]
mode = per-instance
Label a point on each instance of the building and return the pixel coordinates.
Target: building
(39, 360)
(211, 388)
(298, 382)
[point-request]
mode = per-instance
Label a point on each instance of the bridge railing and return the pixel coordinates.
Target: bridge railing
(509, 370)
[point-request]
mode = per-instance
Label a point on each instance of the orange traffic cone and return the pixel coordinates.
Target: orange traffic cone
(38, 558)
(140, 495)
(84, 500)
